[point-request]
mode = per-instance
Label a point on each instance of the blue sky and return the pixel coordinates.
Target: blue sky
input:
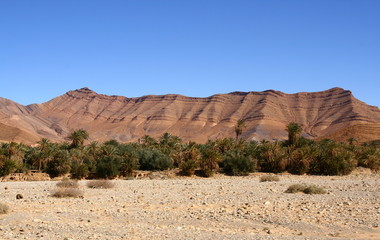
(195, 47)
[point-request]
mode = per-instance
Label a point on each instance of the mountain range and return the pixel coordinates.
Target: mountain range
(266, 115)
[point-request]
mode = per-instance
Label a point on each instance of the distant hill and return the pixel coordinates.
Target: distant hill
(197, 119)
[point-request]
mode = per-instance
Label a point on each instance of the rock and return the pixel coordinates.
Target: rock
(19, 196)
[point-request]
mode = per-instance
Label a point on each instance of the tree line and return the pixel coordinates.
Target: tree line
(232, 156)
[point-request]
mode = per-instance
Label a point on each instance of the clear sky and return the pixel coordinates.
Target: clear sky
(191, 47)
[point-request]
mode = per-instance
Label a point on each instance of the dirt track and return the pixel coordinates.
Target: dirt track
(195, 208)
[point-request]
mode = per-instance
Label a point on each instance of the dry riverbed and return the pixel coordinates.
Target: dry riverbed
(195, 208)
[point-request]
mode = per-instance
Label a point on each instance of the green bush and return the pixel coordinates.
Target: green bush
(300, 159)
(129, 159)
(272, 157)
(154, 159)
(188, 167)
(237, 164)
(369, 157)
(333, 159)
(209, 162)
(8, 166)
(79, 171)
(60, 164)
(189, 160)
(108, 167)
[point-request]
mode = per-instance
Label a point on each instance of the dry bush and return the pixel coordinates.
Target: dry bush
(308, 189)
(66, 183)
(314, 190)
(295, 188)
(269, 178)
(100, 184)
(68, 192)
(3, 208)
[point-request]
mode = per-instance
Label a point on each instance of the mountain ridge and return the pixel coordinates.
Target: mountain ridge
(192, 118)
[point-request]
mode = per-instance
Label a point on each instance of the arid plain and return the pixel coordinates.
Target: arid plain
(164, 206)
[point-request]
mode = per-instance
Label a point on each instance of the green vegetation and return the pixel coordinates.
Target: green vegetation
(238, 164)
(233, 156)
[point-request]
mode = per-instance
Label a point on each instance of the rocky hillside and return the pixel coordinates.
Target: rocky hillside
(198, 119)
(361, 133)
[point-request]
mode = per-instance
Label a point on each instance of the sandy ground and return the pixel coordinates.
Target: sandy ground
(194, 208)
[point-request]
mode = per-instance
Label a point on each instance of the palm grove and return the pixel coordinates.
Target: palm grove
(233, 156)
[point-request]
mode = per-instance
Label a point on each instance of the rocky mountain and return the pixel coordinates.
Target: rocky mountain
(198, 119)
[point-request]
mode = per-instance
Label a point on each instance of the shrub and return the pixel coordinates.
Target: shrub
(235, 163)
(314, 190)
(129, 159)
(295, 188)
(7, 167)
(189, 160)
(269, 178)
(154, 159)
(369, 157)
(79, 171)
(108, 167)
(128, 166)
(66, 183)
(272, 157)
(3, 208)
(67, 192)
(188, 167)
(60, 164)
(333, 160)
(300, 159)
(308, 189)
(102, 184)
(209, 161)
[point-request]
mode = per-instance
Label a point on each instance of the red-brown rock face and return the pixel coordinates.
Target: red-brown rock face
(198, 119)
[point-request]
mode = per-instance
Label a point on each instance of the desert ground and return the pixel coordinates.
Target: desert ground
(221, 207)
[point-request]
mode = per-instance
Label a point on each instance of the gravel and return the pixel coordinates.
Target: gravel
(195, 208)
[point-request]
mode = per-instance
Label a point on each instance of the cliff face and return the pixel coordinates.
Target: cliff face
(198, 119)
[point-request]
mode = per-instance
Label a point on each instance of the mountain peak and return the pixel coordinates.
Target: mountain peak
(85, 90)
(82, 92)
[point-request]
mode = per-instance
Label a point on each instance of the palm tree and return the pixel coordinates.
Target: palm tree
(43, 144)
(78, 137)
(92, 149)
(210, 160)
(294, 130)
(148, 141)
(170, 144)
(43, 153)
(239, 127)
